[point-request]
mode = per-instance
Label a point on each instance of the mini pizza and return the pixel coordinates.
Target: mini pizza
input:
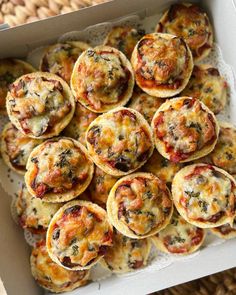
(207, 85)
(184, 129)
(60, 58)
(145, 104)
(179, 237)
(33, 213)
(119, 141)
(204, 195)
(225, 231)
(52, 276)
(102, 79)
(58, 170)
(79, 235)
(162, 64)
(124, 38)
(161, 167)
(10, 70)
(139, 205)
(16, 148)
(100, 186)
(224, 153)
(79, 123)
(189, 21)
(126, 254)
(40, 104)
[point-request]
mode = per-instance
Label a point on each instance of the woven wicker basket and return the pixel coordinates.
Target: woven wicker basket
(16, 12)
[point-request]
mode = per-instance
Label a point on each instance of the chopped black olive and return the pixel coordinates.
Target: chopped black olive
(203, 204)
(122, 163)
(34, 160)
(72, 210)
(192, 194)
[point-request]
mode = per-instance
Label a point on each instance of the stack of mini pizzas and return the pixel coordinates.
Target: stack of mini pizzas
(120, 148)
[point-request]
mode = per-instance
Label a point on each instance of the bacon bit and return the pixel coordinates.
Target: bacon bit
(225, 84)
(214, 218)
(198, 171)
(198, 237)
(183, 202)
(40, 190)
(159, 120)
(177, 156)
(66, 261)
(225, 229)
(102, 250)
(121, 210)
(128, 114)
(107, 240)
(137, 264)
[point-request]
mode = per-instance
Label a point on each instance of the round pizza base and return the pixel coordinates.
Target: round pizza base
(54, 220)
(105, 108)
(164, 93)
(160, 146)
(175, 191)
(112, 210)
(58, 197)
(60, 125)
(99, 162)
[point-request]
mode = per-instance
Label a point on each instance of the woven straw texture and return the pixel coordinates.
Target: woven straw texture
(16, 12)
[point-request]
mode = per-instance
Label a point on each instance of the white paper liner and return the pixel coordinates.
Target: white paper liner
(11, 181)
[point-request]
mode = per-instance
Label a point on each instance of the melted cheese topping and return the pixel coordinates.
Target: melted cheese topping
(50, 275)
(208, 86)
(59, 166)
(161, 167)
(143, 204)
(120, 140)
(100, 186)
(60, 58)
(79, 123)
(38, 104)
(17, 147)
(102, 79)
(10, 70)
(163, 62)
(206, 194)
(184, 128)
(126, 254)
(124, 39)
(180, 237)
(32, 212)
(189, 22)
(145, 104)
(81, 234)
(224, 154)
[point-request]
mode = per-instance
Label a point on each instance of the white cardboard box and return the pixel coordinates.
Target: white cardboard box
(14, 253)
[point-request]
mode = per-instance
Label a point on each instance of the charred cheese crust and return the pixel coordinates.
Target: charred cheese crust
(51, 276)
(162, 64)
(40, 104)
(139, 205)
(119, 141)
(78, 235)
(58, 170)
(204, 195)
(124, 38)
(190, 22)
(33, 213)
(161, 167)
(60, 58)
(79, 124)
(224, 153)
(126, 254)
(10, 70)
(145, 104)
(179, 237)
(100, 186)
(207, 85)
(184, 129)
(16, 148)
(102, 79)
(225, 231)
